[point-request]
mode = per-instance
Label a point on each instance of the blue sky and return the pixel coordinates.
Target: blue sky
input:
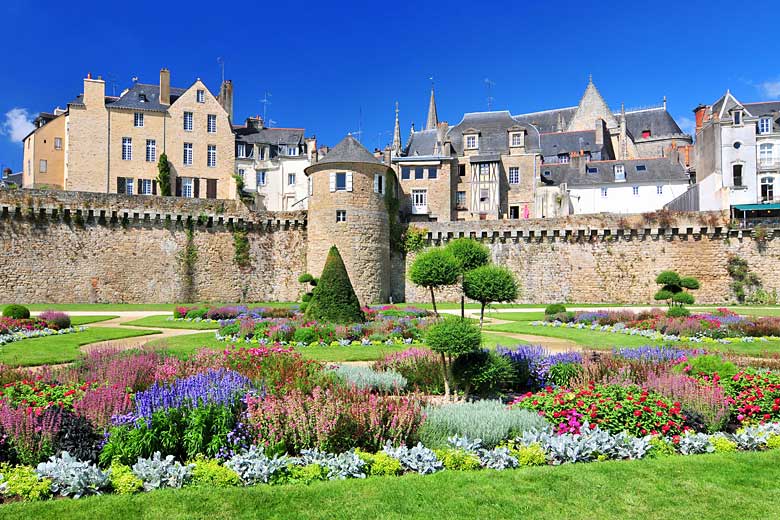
(338, 67)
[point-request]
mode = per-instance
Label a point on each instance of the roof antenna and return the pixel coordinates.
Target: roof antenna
(221, 64)
(265, 101)
(489, 87)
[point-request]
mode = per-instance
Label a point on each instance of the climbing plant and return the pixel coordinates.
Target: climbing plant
(187, 258)
(241, 246)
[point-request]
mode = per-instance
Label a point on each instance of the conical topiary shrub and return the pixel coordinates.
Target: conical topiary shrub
(333, 298)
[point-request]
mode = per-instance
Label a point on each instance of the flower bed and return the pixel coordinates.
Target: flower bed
(12, 330)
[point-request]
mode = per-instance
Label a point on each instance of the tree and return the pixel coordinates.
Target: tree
(673, 289)
(333, 298)
(164, 175)
(434, 268)
(470, 254)
(451, 338)
(307, 278)
(489, 283)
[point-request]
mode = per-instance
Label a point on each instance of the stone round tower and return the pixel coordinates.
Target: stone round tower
(347, 209)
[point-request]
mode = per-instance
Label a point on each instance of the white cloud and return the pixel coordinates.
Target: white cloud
(18, 123)
(770, 89)
(687, 125)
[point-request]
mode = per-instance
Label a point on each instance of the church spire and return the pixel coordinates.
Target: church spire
(397, 144)
(433, 118)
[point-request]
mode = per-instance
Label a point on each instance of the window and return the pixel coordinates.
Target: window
(737, 117)
(187, 187)
(636, 190)
(460, 200)
(127, 149)
(419, 201)
(188, 121)
(341, 215)
(43, 166)
(766, 154)
(603, 192)
(405, 172)
(211, 188)
(129, 186)
(292, 151)
(592, 169)
(471, 141)
(641, 168)
(200, 96)
(767, 189)
(211, 124)
(432, 172)
(514, 212)
(659, 190)
(645, 134)
(418, 173)
(138, 119)
(484, 171)
(145, 186)
(461, 170)
(260, 178)
(379, 183)
(341, 181)
(563, 158)
(290, 179)
(151, 150)
(737, 145)
(58, 143)
(240, 150)
(211, 156)
(736, 175)
(241, 172)
(765, 125)
(517, 139)
(620, 173)
(483, 195)
(187, 154)
(514, 175)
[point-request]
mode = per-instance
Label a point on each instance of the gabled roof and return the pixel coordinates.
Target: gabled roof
(565, 142)
(133, 98)
(723, 105)
(659, 169)
(591, 104)
(349, 150)
(657, 120)
(492, 128)
(422, 143)
(273, 136)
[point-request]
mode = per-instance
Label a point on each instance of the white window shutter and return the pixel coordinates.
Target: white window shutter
(332, 181)
(349, 181)
(376, 183)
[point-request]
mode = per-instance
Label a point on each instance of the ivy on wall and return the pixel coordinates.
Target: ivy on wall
(188, 257)
(241, 246)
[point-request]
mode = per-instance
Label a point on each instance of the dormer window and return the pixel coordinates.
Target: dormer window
(645, 134)
(516, 139)
(142, 98)
(563, 158)
(765, 125)
(737, 117)
(620, 173)
(472, 142)
(240, 150)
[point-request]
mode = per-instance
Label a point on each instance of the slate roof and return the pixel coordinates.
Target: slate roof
(492, 128)
(657, 120)
(763, 108)
(547, 121)
(659, 169)
(421, 143)
(349, 150)
(565, 142)
(132, 99)
(273, 136)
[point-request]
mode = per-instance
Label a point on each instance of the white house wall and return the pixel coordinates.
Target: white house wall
(621, 199)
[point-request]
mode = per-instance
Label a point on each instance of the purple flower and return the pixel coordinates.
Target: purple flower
(537, 361)
(655, 354)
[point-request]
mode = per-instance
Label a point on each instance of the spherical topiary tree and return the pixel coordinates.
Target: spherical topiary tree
(470, 254)
(673, 290)
(489, 283)
(334, 298)
(451, 338)
(434, 268)
(307, 278)
(17, 312)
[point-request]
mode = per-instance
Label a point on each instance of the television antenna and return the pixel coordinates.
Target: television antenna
(489, 84)
(221, 64)
(266, 101)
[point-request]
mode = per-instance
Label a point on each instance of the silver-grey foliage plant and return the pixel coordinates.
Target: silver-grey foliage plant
(157, 472)
(254, 466)
(340, 466)
(367, 379)
(71, 477)
(417, 458)
(695, 443)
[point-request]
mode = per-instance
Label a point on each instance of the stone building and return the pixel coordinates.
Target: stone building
(347, 208)
(489, 165)
(112, 144)
(271, 161)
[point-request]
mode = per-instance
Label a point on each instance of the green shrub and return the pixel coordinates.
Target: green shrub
(488, 284)
(673, 288)
(708, 365)
(678, 312)
(490, 421)
(660, 447)
(483, 373)
(457, 460)
(380, 464)
(305, 278)
(305, 335)
(452, 337)
(723, 445)
(306, 474)
(17, 312)
(196, 313)
(531, 455)
(333, 298)
(123, 480)
(773, 442)
(210, 472)
(554, 308)
(23, 482)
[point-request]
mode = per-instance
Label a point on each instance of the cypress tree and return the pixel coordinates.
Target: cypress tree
(333, 298)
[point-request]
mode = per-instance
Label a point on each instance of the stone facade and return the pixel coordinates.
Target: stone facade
(44, 154)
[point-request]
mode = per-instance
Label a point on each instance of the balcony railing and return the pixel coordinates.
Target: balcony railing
(769, 162)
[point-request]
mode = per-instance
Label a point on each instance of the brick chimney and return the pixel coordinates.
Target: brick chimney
(226, 97)
(94, 92)
(165, 87)
(699, 112)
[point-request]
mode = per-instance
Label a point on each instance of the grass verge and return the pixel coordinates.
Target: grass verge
(163, 323)
(717, 486)
(86, 320)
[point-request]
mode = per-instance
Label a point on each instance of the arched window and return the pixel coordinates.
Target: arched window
(767, 189)
(766, 152)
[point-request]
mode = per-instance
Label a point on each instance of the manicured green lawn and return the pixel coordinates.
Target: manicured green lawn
(516, 316)
(714, 487)
(586, 338)
(85, 320)
(136, 306)
(61, 349)
(490, 340)
(163, 322)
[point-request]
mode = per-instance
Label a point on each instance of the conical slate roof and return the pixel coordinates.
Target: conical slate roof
(349, 150)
